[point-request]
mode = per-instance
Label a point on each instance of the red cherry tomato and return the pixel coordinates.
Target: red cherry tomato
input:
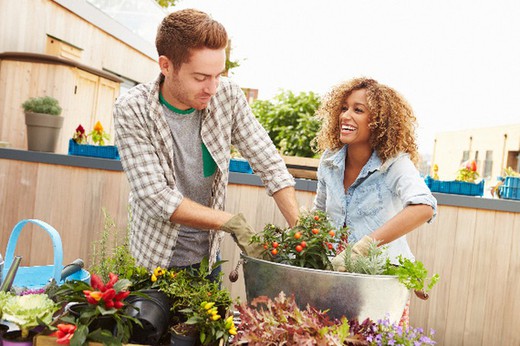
(303, 244)
(329, 245)
(317, 218)
(331, 233)
(274, 252)
(299, 248)
(315, 231)
(275, 244)
(297, 235)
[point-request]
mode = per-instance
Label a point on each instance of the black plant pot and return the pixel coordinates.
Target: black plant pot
(3, 328)
(182, 340)
(101, 322)
(153, 313)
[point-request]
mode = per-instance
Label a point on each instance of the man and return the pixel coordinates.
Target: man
(174, 137)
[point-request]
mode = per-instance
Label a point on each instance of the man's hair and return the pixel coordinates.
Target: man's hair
(183, 31)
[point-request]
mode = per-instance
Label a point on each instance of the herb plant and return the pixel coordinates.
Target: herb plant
(111, 254)
(412, 274)
(309, 244)
(45, 105)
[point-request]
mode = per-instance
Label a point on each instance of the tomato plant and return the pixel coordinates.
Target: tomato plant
(309, 244)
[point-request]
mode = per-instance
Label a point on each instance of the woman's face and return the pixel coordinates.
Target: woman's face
(354, 118)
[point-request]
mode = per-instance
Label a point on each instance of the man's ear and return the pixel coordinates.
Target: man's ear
(165, 65)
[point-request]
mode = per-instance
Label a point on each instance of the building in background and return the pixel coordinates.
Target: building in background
(493, 148)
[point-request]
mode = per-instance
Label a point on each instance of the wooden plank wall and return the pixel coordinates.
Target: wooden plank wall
(32, 20)
(477, 255)
(476, 252)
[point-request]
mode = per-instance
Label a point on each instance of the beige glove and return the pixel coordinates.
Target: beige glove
(359, 249)
(242, 233)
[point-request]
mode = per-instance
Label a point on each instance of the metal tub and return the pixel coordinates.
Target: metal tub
(343, 294)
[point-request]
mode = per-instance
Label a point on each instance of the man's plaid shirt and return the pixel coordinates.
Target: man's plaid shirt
(145, 145)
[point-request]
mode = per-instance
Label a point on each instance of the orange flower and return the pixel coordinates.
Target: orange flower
(98, 127)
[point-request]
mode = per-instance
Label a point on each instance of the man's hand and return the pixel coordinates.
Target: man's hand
(359, 249)
(242, 233)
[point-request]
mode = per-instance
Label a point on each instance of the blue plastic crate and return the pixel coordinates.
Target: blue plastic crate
(511, 188)
(103, 151)
(455, 187)
(240, 165)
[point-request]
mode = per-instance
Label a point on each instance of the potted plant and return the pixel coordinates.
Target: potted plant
(301, 257)
(78, 144)
(98, 310)
(43, 121)
(199, 306)
(464, 183)
(27, 312)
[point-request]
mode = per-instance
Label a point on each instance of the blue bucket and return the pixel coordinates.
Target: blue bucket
(36, 277)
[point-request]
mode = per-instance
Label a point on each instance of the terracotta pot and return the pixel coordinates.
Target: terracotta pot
(43, 131)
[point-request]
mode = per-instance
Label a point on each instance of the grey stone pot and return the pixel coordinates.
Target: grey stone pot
(43, 131)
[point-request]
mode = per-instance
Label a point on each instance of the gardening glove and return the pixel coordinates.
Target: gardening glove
(242, 233)
(359, 249)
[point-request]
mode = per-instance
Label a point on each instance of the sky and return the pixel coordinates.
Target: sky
(457, 62)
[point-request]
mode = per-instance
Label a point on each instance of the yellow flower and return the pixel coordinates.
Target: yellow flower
(159, 271)
(215, 317)
(209, 305)
(154, 278)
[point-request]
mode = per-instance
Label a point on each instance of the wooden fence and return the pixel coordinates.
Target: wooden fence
(476, 252)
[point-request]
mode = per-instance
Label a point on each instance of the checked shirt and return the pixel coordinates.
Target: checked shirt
(145, 145)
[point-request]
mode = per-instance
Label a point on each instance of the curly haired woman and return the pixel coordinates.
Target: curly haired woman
(367, 179)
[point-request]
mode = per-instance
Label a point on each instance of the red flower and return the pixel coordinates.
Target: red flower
(105, 292)
(471, 165)
(64, 333)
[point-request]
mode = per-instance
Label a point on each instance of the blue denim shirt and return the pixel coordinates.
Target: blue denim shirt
(379, 193)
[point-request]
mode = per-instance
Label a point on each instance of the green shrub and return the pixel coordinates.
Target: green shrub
(45, 105)
(289, 120)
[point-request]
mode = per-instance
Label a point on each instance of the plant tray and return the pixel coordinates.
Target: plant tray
(511, 188)
(103, 151)
(455, 187)
(240, 165)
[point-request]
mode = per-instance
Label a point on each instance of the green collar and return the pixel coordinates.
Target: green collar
(172, 108)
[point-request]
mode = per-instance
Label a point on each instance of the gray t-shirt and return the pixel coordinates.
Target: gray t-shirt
(192, 244)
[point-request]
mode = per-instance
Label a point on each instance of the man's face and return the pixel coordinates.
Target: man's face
(195, 82)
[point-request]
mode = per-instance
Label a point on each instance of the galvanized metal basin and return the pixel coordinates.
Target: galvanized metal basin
(343, 294)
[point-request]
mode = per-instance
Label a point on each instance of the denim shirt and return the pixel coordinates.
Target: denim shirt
(379, 193)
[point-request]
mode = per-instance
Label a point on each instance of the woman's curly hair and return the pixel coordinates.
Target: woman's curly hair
(392, 122)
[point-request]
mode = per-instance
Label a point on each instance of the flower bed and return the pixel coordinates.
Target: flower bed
(102, 151)
(455, 187)
(511, 188)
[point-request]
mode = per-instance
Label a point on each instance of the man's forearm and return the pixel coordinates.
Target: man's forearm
(286, 201)
(192, 214)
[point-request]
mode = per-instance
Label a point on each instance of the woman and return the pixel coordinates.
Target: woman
(367, 179)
